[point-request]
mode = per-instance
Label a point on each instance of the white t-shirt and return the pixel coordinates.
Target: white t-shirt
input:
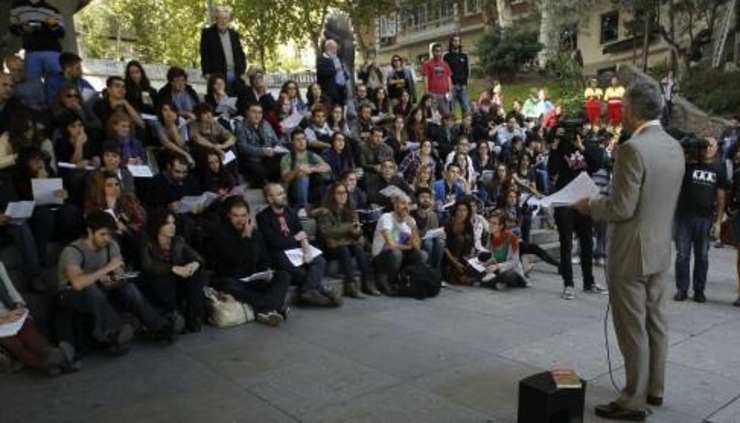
(400, 231)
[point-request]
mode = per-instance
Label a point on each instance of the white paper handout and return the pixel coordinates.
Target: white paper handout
(10, 329)
(291, 122)
(140, 171)
(260, 276)
(279, 149)
(434, 233)
(88, 94)
(296, 255)
(237, 190)
(149, 116)
(67, 165)
(44, 191)
(582, 186)
(229, 157)
(477, 265)
(19, 210)
(227, 105)
(190, 204)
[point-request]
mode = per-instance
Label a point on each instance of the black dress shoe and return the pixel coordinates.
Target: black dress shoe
(699, 297)
(680, 296)
(655, 401)
(614, 411)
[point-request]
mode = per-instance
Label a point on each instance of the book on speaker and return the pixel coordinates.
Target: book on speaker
(566, 378)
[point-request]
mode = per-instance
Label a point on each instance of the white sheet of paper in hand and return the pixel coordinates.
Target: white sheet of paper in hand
(261, 276)
(140, 171)
(434, 233)
(476, 264)
(237, 190)
(291, 122)
(44, 191)
(581, 186)
(88, 94)
(67, 165)
(296, 255)
(190, 204)
(10, 329)
(20, 210)
(148, 116)
(229, 157)
(279, 149)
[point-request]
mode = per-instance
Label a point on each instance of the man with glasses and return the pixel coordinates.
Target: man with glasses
(438, 80)
(400, 80)
(221, 49)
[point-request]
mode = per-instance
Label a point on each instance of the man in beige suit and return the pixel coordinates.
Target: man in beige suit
(640, 207)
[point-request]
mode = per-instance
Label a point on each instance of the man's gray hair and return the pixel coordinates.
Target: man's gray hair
(644, 100)
(226, 10)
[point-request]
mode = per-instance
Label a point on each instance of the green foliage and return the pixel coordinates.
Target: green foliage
(162, 31)
(712, 90)
(504, 53)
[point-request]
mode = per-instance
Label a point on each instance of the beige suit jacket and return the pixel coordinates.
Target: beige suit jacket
(648, 172)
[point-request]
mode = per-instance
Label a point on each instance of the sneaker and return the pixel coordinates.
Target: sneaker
(737, 302)
(488, 277)
(285, 312)
(699, 297)
(569, 293)
(576, 260)
(271, 318)
(718, 244)
(680, 296)
(302, 214)
(595, 288)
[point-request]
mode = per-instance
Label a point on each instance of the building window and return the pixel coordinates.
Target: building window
(569, 38)
(427, 15)
(473, 6)
(609, 27)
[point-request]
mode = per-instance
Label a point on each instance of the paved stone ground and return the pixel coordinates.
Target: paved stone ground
(456, 358)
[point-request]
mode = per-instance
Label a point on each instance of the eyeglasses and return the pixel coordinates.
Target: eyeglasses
(72, 95)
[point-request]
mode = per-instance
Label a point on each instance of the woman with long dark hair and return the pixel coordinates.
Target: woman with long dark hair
(460, 244)
(339, 156)
(139, 91)
(418, 158)
(340, 231)
(170, 134)
(23, 133)
(503, 266)
(290, 88)
(404, 106)
(216, 96)
(107, 194)
(173, 272)
(213, 175)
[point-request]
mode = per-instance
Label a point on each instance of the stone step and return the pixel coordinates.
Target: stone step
(543, 236)
(254, 197)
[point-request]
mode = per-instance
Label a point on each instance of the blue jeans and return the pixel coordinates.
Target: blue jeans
(299, 190)
(600, 234)
(542, 179)
(691, 231)
(42, 64)
(435, 249)
(460, 95)
(345, 253)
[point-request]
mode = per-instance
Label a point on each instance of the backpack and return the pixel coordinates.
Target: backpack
(418, 281)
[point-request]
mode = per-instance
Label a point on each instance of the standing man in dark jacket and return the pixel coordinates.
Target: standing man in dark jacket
(41, 27)
(221, 49)
(460, 67)
(331, 74)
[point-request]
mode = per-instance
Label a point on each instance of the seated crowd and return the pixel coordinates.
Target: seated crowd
(149, 203)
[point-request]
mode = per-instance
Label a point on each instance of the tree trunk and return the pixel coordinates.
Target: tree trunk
(547, 32)
(646, 40)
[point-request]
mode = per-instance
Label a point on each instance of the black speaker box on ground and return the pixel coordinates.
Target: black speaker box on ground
(540, 401)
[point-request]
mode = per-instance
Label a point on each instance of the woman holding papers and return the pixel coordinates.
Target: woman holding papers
(20, 337)
(459, 246)
(224, 107)
(53, 216)
(339, 156)
(340, 232)
(106, 194)
(173, 272)
(69, 99)
(74, 146)
(213, 175)
(290, 88)
(208, 135)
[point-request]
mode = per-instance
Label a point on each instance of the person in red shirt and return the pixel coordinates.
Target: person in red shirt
(438, 80)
